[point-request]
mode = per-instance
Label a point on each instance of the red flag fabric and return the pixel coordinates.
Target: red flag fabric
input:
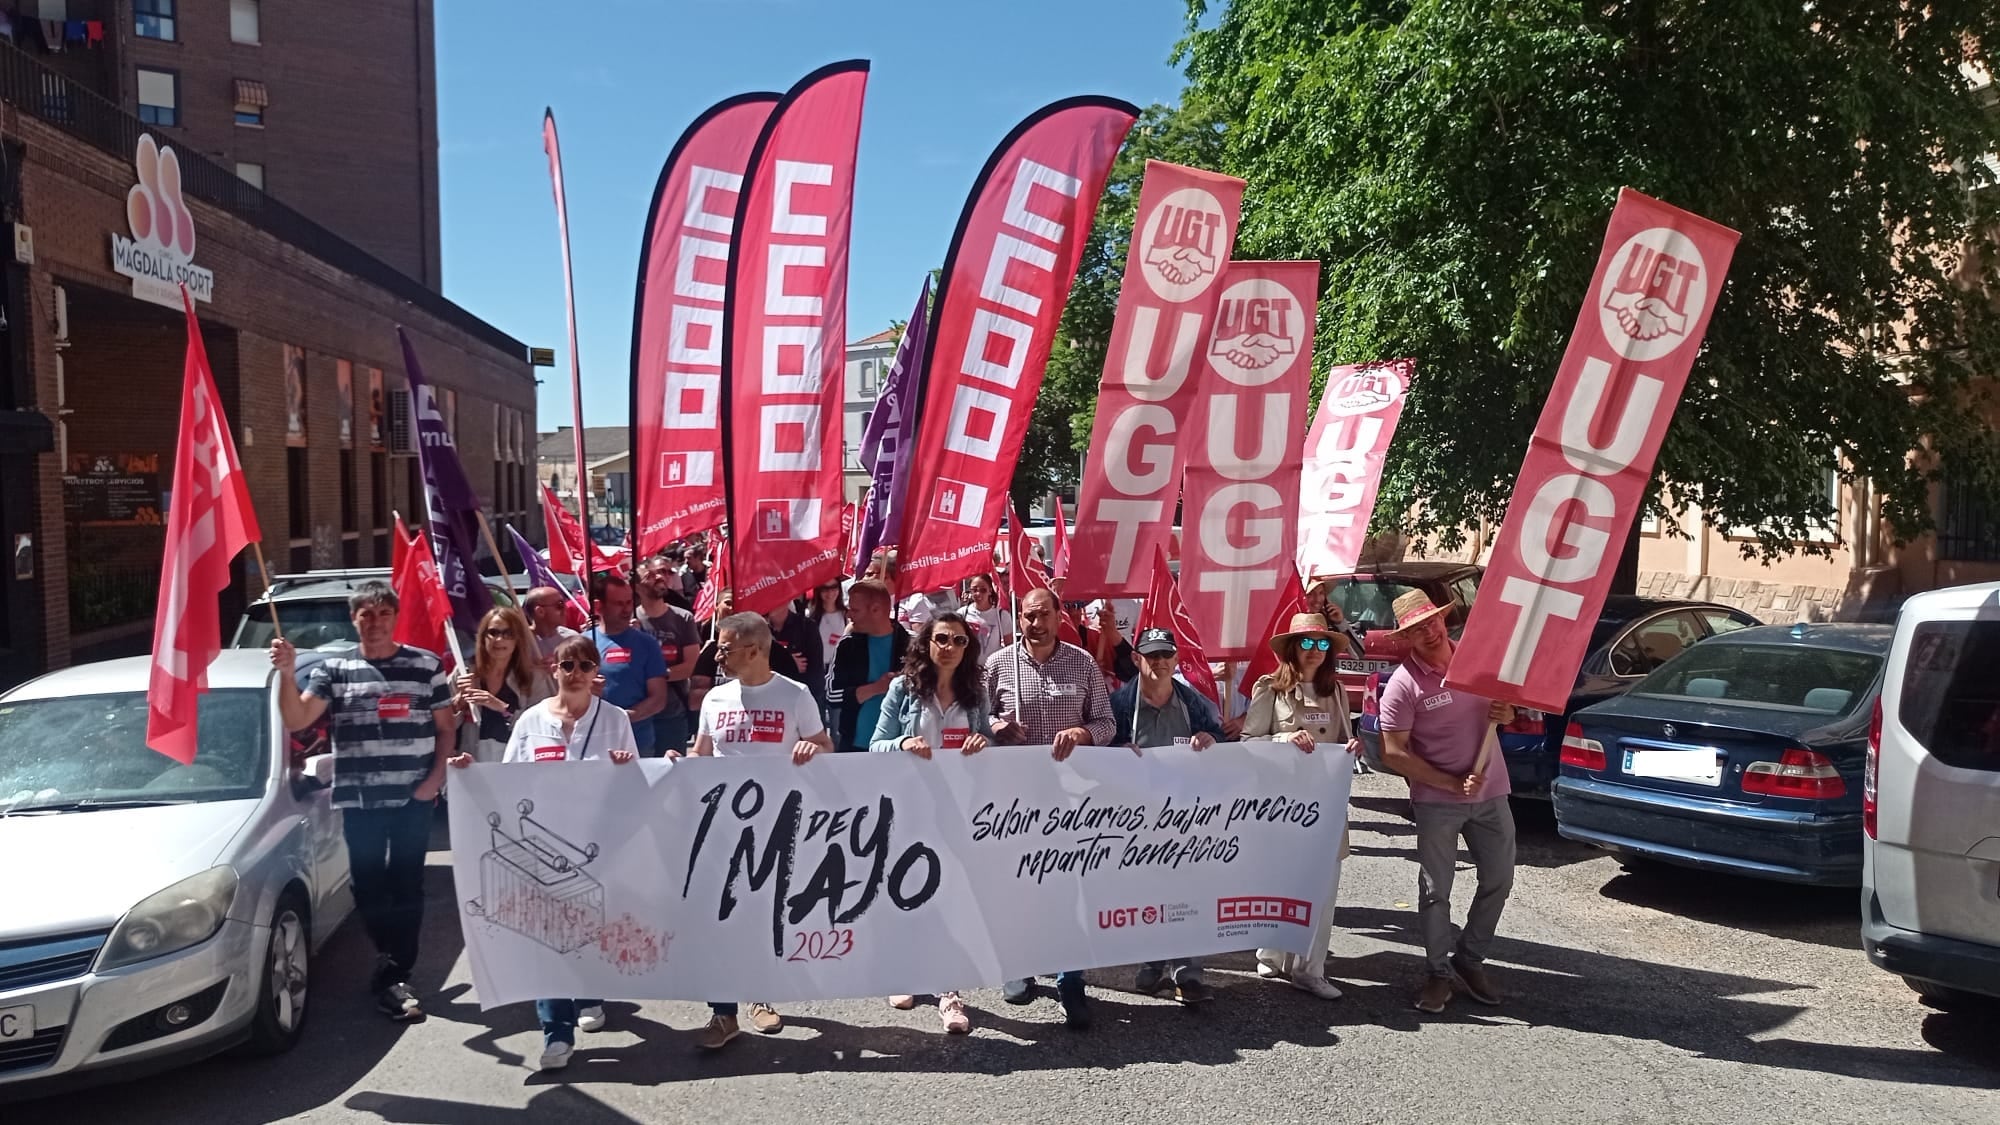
(1182, 235)
(1005, 282)
(209, 521)
(1263, 658)
(1591, 457)
(1343, 464)
(1062, 542)
(399, 546)
(677, 325)
(423, 608)
(565, 535)
(784, 335)
(1164, 609)
(850, 514)
(1025, 572)
(718, 578)
(1244, 447)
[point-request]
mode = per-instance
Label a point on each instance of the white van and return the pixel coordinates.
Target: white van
(1930, 892)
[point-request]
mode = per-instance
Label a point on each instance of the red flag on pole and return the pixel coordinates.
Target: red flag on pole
(1062, 542)
(1264, 659)
(1165, 610)
(718, 578)
(423, 609)
(1025, 572)
(567, 540)
(208, 522)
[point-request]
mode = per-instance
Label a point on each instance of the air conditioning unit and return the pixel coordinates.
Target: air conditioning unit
(402, 423)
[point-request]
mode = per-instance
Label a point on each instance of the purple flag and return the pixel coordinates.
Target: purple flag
(538, 570)
(887, 437)
(451, 506)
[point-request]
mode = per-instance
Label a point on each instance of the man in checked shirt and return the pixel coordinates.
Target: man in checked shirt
(1044, 692)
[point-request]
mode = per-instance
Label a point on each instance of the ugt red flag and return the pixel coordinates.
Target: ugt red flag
(784, 333)
(1182, 234)
(1004, 285)
(677, 325)
(1025, 572)
(1062, 541)
(423, 608)
(209, 521)
(1264, 658)
(567, 540)
(1584, 479)
(1343, 465)
(1165, 610)
(1243, 449)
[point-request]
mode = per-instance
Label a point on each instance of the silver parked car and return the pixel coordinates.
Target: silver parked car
(153, 912)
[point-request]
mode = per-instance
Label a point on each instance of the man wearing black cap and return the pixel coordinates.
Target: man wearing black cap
(1158, 710)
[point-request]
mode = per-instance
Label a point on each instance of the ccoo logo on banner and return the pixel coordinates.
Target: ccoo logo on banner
(1589, 462)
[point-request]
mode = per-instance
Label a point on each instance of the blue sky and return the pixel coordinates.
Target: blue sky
(949, 79)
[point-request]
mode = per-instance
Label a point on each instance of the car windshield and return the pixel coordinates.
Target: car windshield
(1785, 677)
(90, 751)
(1368, 602)
(309, 624)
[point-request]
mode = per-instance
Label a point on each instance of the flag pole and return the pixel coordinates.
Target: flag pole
(554, 151)
(486, 529)
(271, 600)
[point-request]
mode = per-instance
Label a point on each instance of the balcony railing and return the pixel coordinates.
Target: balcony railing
(90, 117)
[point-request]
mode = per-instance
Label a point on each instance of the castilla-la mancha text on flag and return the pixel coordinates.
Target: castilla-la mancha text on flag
(879, 874)
(677, 325)
(1345, 449)
(999, 302)
(1243, 446)
(1182, 234)
(784, 340)
(209, 521)
(1584, 480)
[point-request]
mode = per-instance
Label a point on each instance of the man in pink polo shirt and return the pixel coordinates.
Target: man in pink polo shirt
(1432, 735)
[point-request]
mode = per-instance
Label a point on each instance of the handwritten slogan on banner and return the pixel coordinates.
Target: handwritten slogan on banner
(876, 874)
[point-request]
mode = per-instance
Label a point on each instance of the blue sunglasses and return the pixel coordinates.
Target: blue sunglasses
(1315, 644)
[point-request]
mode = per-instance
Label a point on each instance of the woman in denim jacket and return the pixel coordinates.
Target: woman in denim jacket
(938, 703)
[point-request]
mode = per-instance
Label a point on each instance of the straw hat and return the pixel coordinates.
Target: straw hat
(1413, 609)
(1309, 625)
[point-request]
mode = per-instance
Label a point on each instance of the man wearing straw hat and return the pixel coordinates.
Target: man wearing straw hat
(1439, 738)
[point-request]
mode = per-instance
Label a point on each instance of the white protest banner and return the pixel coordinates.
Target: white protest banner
(876, 874)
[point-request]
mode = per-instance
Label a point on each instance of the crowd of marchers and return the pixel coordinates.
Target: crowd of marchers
(634, 674)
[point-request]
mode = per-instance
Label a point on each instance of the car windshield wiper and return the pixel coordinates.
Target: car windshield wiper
(91, 804)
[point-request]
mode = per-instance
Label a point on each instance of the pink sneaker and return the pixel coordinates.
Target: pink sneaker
(952, 1011)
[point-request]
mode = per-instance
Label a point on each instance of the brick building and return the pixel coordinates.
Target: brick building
(108, 211)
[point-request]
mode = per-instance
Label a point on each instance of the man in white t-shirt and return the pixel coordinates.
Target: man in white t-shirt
(755, 712)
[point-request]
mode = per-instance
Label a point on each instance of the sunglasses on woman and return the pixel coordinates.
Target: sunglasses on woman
(499, 634)
(1315, 644)
(577, 665)
(950, 640)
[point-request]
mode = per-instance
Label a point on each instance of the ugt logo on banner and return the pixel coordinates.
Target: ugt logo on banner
(1588, 465)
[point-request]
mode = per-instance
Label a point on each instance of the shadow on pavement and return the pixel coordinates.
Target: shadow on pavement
(557, 1103)
(1709, 1014)
(1828, 916)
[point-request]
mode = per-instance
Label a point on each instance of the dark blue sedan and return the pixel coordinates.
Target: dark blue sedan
(1743, 754)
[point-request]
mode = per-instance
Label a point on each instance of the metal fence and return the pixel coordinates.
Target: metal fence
(1966, 528)
(87, 115)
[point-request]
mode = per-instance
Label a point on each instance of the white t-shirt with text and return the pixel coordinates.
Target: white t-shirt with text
(767, 719)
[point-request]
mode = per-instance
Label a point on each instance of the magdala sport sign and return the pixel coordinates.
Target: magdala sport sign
(1243, 447)
(159, 256)
(1588, 464)
(1182, 235)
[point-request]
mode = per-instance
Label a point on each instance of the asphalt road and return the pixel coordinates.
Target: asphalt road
(1654, 996)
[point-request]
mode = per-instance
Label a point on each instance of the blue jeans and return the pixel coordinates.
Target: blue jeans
(385, 858)
(723, 1010)
(559, 1019)
(670, 732)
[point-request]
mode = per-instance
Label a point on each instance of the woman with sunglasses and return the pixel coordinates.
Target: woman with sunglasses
(505, 679)
(938, 703)
(574, 725)
(1303, 703)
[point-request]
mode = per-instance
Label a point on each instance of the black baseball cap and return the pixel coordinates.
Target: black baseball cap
(1155, 642)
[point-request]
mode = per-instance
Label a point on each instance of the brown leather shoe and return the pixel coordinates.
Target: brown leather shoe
(1435, 995)
(1477, 984)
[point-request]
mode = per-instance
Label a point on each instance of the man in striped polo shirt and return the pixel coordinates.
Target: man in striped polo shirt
(392, 729)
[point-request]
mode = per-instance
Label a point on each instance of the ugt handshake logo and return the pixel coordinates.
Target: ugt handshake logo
(1181, 245)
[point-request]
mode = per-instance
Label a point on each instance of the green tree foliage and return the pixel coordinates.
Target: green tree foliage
(1453, 163)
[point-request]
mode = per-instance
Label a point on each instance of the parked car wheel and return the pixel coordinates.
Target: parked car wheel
(281, 1002)
(1951, 999)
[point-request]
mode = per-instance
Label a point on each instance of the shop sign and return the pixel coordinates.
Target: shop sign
(159, 254)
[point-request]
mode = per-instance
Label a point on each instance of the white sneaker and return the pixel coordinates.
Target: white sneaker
(590, 1019)
(1270, 972)
(1317, 985)
(555, 1056)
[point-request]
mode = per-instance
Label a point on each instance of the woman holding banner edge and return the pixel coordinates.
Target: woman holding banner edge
(938, 703)
(1303, 703)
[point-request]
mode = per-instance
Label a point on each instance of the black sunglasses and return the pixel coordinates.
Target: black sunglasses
(955, 640)
(499, 634)
(577, 665)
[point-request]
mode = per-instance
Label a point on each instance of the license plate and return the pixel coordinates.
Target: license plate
(1699, 767)
(1366, 667)
(17, 1023)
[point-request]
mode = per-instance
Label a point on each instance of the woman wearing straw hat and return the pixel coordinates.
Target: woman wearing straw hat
(1303, 703)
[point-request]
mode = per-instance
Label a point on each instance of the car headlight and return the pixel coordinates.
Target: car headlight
(187, 913)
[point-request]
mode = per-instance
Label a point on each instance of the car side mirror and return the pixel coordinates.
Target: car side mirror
(314, 774)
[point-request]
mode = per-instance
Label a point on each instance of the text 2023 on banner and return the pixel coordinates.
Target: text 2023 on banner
(874, 874)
